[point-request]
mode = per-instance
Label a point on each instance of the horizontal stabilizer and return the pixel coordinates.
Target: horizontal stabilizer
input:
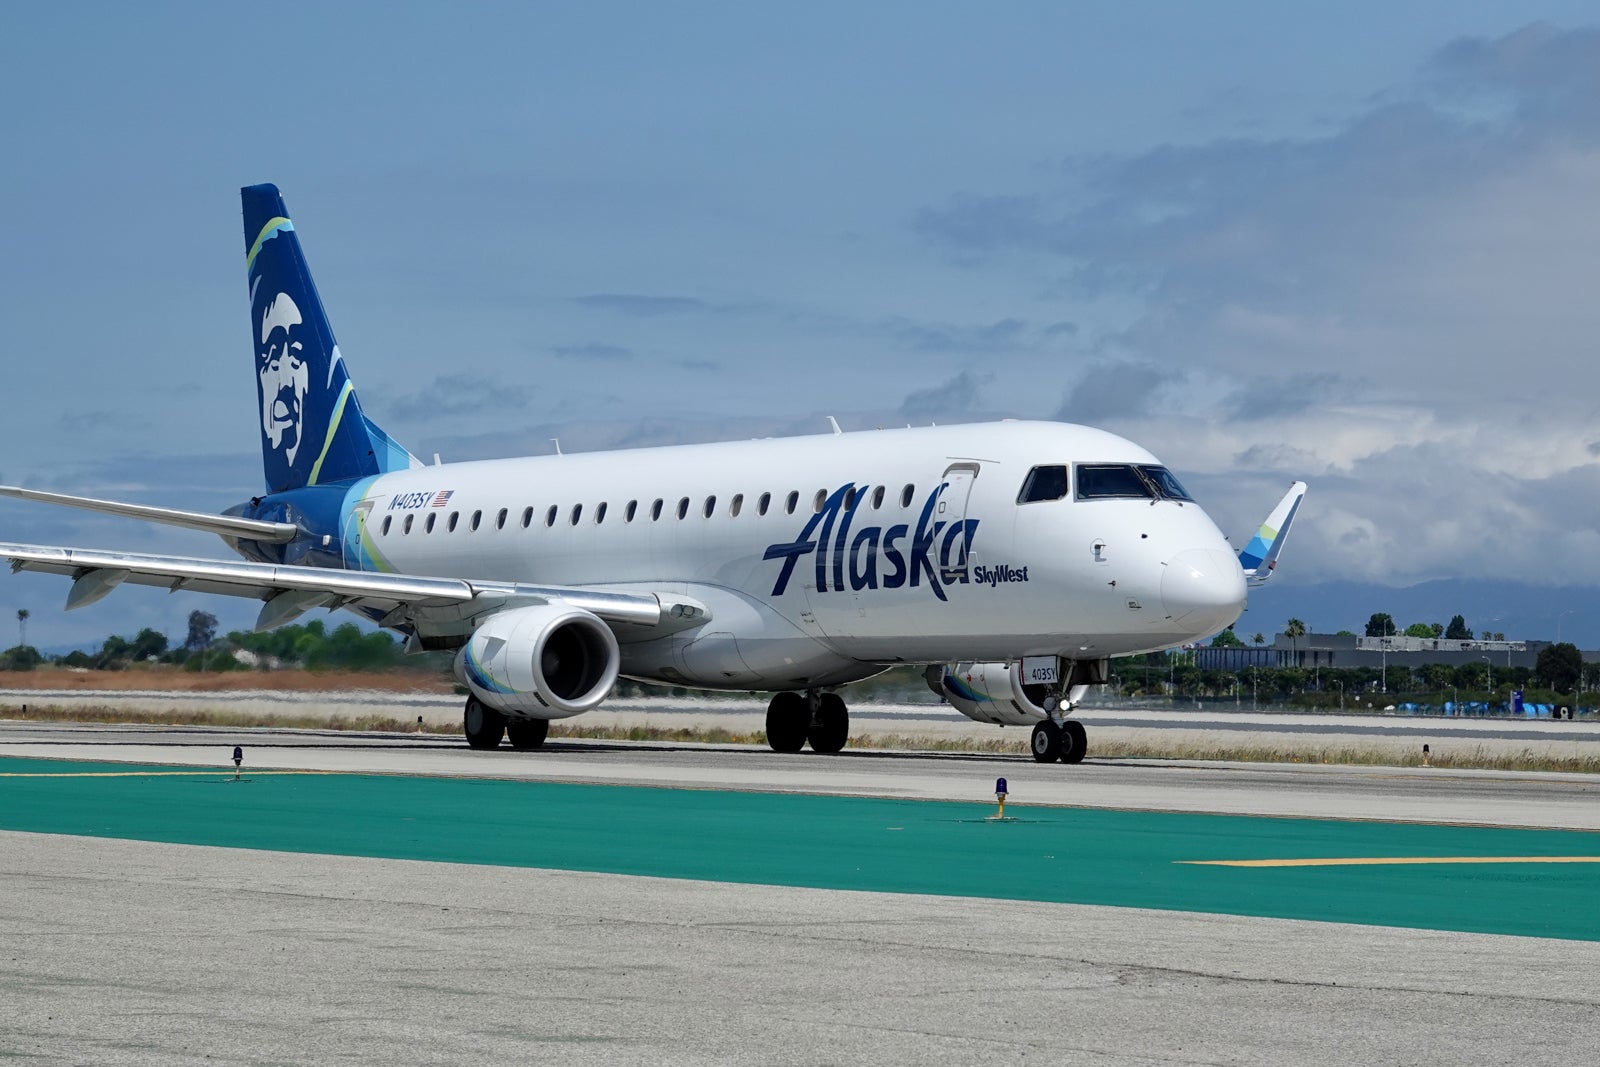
(277, 533)
(1260, 556)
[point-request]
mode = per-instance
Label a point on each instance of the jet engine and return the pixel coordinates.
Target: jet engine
(544, 662)
(999, 692)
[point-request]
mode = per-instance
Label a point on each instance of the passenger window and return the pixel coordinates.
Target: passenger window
(550, 516)
(477, 518)
(1044, 483)
(906, 495)
(850, 498)
(500, 520)
(577, 513)
(406, 528)
(822, 498)
(428, 526)
(877, 498)
(628, 512)
(711, 506)
(387, 519)
(655, 510)
(683, 508)
(451, 525)
(735, 504)
(764, 503)
(600, 513)
(527, 517)
(794, 502)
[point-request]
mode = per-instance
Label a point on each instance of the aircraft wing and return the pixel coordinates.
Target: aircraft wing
(434, 608)
(278, 533)
(1260, 556)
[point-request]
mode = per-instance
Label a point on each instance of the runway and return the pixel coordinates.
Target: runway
(403, 897)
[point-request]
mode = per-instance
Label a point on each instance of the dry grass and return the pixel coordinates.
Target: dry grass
(1462, 758)
(201, 717)
(168, 679)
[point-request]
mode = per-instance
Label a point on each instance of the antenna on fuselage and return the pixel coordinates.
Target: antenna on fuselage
(835, 424)
(557, 440)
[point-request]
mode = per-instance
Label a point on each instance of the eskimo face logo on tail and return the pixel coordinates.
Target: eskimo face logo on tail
(877, 557)
(284, 375)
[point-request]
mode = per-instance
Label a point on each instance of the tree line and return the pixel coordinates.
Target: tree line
(312, 646)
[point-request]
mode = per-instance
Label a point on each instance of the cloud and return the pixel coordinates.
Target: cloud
(1396, 305)
(996, 336)
(1110, 391)
(593, 351)
(458, 394)
(957, 395)
(1289, 395)
(643, 306)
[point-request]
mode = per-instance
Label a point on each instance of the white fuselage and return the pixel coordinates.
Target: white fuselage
(917, 549)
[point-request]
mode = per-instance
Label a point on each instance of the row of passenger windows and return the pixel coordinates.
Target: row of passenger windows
(630, 512)
(1096, 481)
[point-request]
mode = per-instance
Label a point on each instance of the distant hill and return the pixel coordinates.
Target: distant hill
(1519, 610)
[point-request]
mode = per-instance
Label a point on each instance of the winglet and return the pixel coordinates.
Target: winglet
(1260, 556)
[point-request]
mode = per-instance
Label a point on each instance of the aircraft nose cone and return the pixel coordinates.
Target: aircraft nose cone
(1203, 589)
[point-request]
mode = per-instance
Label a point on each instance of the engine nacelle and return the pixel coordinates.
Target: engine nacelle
(999, 693)
(542, 662)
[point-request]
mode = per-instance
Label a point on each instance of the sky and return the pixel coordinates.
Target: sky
(1354, 246)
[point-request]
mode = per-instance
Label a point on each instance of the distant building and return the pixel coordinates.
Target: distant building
(1310, 651)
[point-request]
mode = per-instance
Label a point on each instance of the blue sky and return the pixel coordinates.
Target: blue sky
(1355, 246)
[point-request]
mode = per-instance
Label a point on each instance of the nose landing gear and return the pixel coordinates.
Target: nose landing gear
(1058, 737)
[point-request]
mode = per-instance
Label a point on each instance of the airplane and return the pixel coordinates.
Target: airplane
(1026, 554)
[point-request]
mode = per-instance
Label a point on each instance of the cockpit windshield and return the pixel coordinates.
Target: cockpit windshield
(1146, 481)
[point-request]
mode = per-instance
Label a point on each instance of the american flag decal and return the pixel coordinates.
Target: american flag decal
(443, 497)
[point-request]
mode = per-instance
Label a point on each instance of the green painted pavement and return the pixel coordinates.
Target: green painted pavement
(1075, 855)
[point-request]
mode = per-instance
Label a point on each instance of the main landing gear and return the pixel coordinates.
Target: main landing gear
(485, 727)
(795, 718)
(1066, 741)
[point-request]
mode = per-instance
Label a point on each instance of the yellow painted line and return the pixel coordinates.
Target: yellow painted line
(1389, 861)
(197, 772)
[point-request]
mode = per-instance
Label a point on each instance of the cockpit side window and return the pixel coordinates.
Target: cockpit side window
(1107, 481)
(1044, 483)
(1169, 486)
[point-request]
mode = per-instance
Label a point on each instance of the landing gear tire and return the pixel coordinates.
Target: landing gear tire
(830, 726)
(1074, 741)
(483, 725)
(787, 719)
(1046, 742)
(528, 734)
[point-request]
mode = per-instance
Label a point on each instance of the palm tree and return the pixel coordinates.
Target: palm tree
(1258, 640)
(22, 625)
(1294, 629)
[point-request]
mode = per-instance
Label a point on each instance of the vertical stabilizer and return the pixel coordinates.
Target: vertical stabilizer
(313, 430)
(1260, 556)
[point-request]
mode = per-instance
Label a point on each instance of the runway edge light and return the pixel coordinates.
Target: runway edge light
(1000, 795)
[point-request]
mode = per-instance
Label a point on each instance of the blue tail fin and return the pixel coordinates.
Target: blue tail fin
(1260, 557)
(312, 428)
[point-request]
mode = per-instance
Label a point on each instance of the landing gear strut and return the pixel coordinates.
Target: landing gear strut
(821, 718)
(483, 725)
